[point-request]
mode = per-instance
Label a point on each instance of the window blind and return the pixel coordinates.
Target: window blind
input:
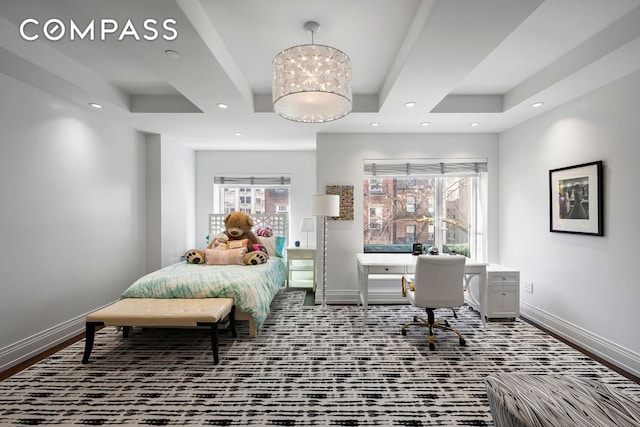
(426, 167)
(252, 180)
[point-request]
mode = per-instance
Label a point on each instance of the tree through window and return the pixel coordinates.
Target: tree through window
(435, 210)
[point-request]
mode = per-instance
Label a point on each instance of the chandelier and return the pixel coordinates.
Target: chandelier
(311, 82)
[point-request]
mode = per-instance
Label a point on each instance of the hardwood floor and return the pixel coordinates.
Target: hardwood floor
(24, 365)
(598, 359)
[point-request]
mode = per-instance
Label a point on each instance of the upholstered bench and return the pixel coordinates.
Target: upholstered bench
(150, 312)
(521, 400)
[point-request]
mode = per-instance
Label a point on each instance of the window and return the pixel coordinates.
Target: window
(410, 236)
(428, 206)
(411, 204)
(375, 218)
(252, 195)
(375, 186)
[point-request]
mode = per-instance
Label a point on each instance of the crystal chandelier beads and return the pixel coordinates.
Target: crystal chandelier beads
(312, 84)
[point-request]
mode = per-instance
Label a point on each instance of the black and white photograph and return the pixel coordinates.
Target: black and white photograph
(576, 199)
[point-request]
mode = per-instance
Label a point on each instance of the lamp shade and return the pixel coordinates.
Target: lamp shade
(308, 224)
(311, 82)
(325, 205)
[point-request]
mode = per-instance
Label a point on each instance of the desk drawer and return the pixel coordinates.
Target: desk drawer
(503, 278)
(387, 269)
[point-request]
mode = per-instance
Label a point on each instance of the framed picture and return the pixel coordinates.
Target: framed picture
(346, 201)
(576, 199)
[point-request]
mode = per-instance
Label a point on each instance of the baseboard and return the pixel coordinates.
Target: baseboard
(617, 355)
(36, 344)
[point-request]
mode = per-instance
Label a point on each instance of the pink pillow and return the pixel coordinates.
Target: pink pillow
(230, 256)
(264, 232)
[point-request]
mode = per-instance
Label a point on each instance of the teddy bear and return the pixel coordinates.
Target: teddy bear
(194, 256)
(238, 227)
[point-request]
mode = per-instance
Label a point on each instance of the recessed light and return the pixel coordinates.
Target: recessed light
(237, 133)
(474, 124)
(172, 54)
(425, 124)
(410, 104)
(223, 106)
(374, 124)
(95, 105)
(537, 104)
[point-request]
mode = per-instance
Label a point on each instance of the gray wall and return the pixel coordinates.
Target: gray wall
(584, 287)
(72, 186)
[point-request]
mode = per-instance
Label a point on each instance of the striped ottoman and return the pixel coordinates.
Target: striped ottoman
(520, 400)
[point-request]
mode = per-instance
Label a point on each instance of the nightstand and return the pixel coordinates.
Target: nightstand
(301, 267)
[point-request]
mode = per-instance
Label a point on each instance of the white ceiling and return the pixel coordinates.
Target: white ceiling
(460, 61)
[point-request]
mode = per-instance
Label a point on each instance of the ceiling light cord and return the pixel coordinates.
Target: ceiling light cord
(311, 27)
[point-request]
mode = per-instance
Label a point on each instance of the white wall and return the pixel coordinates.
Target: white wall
(299, 165)
(339, 161)
(153, 206)
(584, 287)
(72, 186)
(178, 201)
(171, 202)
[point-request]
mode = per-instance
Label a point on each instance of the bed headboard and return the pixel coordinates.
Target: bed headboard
(279, 223)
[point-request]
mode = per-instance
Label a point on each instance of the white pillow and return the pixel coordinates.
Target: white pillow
(274, 245)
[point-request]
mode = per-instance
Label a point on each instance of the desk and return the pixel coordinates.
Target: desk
(377, 263)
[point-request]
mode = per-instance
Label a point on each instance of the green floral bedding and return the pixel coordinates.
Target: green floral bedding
(251, 286)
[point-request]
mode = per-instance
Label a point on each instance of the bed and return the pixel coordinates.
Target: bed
(252, 287)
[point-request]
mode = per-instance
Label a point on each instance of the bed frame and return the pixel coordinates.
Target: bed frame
(279, 223)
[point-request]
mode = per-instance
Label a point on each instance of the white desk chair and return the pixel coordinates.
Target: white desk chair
(438, 283)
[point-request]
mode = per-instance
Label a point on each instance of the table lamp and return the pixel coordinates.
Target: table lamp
(308, 225)
(325, 205)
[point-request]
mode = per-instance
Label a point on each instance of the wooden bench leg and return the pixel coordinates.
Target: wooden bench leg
(214, 333)
(214, 343)
(213, 327)
(90, 334)
(232, 321)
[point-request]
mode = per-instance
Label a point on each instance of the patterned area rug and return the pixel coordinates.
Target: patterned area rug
(308, 367)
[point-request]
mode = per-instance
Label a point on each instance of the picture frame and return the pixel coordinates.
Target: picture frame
(346, 201)
(576, 199)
